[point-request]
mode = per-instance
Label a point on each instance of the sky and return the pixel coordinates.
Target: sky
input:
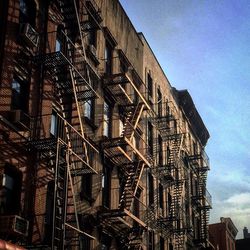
(204, 46)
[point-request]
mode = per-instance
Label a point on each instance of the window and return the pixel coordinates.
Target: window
(86, 187)
(106, 185)
(105, 241)
(136, 211)
(85, 242)
(150, 189)
(10, 190)
(59, 39)
(150, 85)
(160, 151)
(168, 155)
(20, 94)
(108, 58)
(89, 109)
(92, 33)
(151, 240)
(27, 12)
(54, 123)
(169, 205)
(160, 195)
(48, 212)
(170, 246)
(150, 138)
(162, 243)
(107, 122)
(159, 102)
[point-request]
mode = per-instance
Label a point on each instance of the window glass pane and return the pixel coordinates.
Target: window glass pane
(106, 120)
(16, 94)
(53, 125)
(121, 127)
(8, 181)
(87, 109)
(23, 7)
(58, 45)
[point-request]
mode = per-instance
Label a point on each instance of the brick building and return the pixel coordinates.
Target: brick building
(222, 235)
(97, 149)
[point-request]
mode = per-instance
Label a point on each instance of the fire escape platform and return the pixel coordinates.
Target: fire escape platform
(114, 215)
(55, 63)
(124, 78)
(113, 149)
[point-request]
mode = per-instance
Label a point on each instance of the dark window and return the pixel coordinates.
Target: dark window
(160, 195)
(162, 243)
(151, 240)
(92, 33)
(150, 138)
(27, 12)
(150, 85)
(85, 242)
(136, 211)
(10, 190)
(159, 101)
(150, 189)
(170, 246)
(106, 184)
(48, 212)
(89, 109)
(86, 187)
(168, 155)
(105, 241)
(107, 121)
(169, 205)
(108, 58)
(20, 95)
(160, 151)
(60, 39)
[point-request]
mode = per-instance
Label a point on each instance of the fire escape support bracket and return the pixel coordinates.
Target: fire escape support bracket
(139, 177)
(137, 152)
(139, 93)
(136, 122)
(127, 212)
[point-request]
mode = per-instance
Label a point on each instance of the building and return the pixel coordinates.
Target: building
(97, 149)
(245, 233)
(243, 244)
(222, 235)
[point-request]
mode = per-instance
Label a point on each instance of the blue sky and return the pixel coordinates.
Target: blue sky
(204, 46)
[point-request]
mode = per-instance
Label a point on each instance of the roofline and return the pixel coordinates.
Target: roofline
(144, 38)
(132, 25)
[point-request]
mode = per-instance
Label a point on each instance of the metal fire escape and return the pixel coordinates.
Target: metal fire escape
(170, 172)
(129, 152)
(74, 82)
(202, 199)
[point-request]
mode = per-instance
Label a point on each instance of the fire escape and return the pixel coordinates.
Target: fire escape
(129, 153)
(170, 172)
(202, 199)
(70, 150)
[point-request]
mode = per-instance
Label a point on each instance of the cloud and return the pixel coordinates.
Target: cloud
(239, 200)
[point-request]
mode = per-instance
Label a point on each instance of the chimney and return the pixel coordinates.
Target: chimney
(245, 233)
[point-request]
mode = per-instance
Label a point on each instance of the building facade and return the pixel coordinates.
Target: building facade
(97, 149)
(223, 234)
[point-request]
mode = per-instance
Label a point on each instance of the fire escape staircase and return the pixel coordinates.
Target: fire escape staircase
(72, 75)
(200, 164)
(124, 152)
